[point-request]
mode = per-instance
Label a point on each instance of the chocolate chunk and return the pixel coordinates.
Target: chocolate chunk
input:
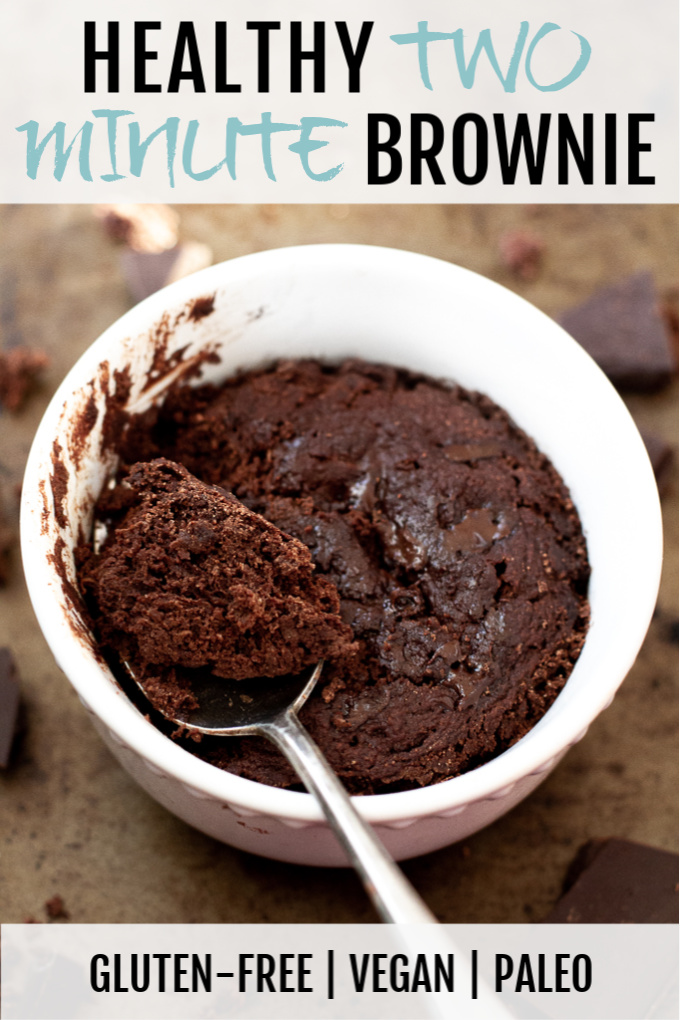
(660, 454)
(20, 369)
(7, 543)
(146, 272)
(614, 881)
(154, 256)
(55, 908)
(9, 704)
(142, 227)
(621, 327)
(669, 313)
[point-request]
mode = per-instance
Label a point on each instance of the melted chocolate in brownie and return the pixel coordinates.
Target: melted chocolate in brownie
(453, 544)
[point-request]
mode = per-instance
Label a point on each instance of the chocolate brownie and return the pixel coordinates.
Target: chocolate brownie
(452, 542)
(190, 578)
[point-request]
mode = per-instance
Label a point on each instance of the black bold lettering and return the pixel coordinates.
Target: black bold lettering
(542, 986)
(286, 972)
(266, 965)
(161, 957)
(421, 974)
(443, 973)
(180, 972)
(202, 971)
(186, 44)
(419, 154)
(481, 148)
(142, 55)
(567, 142)
(303, 972)
(317, 55)
(139, 984)
(582, 972)
(354, 55)
(504, 969)
(263, 28)
(398, 978)
(610, 148)
(635, 147)
(243, 971)
(376, 147)
(359, 974)
(110, 55)
(561, 972)
(525, 975)
(221, 83)
(522, 140)
(118, 985)
(100, 980)
(378, 972)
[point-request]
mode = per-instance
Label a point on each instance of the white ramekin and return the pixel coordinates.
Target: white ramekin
(331, 302)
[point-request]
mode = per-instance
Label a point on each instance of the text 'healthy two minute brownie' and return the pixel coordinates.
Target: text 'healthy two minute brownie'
(452, 542)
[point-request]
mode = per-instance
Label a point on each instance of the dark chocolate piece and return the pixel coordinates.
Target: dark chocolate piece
(669, 314)
(7, 543)
(660, 454)
(614, 881)
(621, 327)
(154, 255)
(9, 704)
(146, 272)
(142, 227)
(454, 546)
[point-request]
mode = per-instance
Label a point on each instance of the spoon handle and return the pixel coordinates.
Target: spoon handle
(393, 897)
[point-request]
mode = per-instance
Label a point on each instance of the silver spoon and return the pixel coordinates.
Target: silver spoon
(269, 708)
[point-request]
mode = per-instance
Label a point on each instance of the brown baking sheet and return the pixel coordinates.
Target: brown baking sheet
(74, 825)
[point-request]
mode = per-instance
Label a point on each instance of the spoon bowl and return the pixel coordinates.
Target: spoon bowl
(224, 708)
(268, 707)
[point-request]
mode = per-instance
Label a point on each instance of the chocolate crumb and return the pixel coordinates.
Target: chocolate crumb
(55, 909)
(20, 370)
(522, 253)
(202, 307)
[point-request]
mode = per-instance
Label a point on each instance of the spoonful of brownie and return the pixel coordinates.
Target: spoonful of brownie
(222, 622)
